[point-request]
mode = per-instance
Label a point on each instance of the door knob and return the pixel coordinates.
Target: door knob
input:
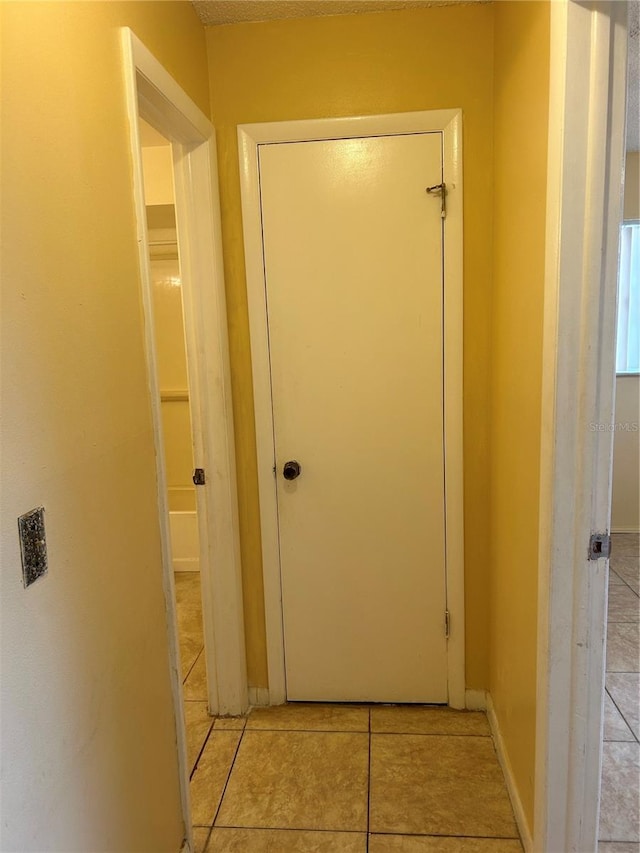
(291, 470)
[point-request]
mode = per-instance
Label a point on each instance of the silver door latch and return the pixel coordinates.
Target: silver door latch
(599, 546)
(441, 190)
(199, 478)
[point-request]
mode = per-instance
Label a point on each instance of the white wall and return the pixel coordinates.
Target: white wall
(169, 332)
(625, 506)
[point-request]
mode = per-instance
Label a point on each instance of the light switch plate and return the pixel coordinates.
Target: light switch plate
(33, 545)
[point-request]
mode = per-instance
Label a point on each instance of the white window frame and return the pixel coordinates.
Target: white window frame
(627, 223)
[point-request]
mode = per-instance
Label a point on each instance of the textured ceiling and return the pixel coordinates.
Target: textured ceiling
(213, 12)
(633, 100)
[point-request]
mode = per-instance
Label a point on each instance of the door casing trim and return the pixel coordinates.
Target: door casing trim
(250, 137)
(152, 94)
(584, 211)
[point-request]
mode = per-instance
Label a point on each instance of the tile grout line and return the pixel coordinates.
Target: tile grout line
(368, 790)
(442, 835)
(619, 710)
(224, 790)
(312, 731)
(360, 832)
(184, 680)
(625, 583)
(364, 732)
(290, 829)
(201, 750)
(208, 839)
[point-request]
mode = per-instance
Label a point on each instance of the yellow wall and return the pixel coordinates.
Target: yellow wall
(348, 65)
(520, 146)
(158, 174)
(88, 735)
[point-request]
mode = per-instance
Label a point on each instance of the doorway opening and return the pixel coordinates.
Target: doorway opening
(620, 772)
(177, 432)
(443, 128)
(586, 150)
(155, 97)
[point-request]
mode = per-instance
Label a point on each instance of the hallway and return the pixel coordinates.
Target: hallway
(316, 778)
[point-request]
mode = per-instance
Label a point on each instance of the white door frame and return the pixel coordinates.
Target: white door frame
(152, 94)
(250, 137)
(584, 210)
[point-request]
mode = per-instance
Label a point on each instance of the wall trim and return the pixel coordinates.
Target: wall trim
(625, 529)
(152, 94)
(584, 210)
(250, 137)
(509, 778)
(259, 697)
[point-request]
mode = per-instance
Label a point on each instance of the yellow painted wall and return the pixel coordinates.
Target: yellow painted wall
(88, 735)
(349, 65)
(520, 147)
(158, 174)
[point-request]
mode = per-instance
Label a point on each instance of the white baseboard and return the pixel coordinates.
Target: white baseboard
(512, 788)
(475, 700)
(186, 564)
(259, 697)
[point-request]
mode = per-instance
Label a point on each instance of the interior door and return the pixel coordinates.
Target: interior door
(353, 267)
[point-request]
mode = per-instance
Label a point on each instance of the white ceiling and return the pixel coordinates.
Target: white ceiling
(216, 12)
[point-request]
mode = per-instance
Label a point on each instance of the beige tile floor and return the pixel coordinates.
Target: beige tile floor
(350, 779)
(620, 800)
(194, 679)
(337, 778)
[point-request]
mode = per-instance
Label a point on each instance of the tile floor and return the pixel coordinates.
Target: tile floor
(325, 778)
(350, 779)
(194, 679)
(620, 801)
(337, 778)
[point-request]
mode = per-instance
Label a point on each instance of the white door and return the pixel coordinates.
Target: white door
(354, 288)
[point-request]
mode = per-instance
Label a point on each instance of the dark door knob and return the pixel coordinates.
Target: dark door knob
(291, 470)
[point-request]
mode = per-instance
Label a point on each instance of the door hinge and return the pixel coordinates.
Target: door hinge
(599, 546)
(447, 624)
(441, 190)
(199, 478)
